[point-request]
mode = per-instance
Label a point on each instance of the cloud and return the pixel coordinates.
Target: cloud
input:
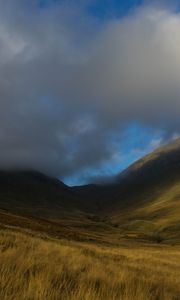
(69, 82)
(156, 143)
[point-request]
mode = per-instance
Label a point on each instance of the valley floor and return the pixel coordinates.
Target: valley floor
(35, 267)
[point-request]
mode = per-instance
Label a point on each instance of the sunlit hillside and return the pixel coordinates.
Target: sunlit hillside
(147, 196)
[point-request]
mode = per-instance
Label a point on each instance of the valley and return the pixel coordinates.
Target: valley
(113, 241)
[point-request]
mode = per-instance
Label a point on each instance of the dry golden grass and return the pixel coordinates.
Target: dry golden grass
(32, 268)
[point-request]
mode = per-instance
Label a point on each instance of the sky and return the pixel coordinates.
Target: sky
(87, 87)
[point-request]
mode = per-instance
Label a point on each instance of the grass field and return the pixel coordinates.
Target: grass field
(39, 268)
(114, 242)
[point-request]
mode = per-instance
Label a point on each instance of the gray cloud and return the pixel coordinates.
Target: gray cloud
(68, 81)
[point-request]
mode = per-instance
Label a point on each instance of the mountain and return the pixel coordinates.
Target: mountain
(143, 202)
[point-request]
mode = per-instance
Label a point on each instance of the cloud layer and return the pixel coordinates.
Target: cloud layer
(69, 82)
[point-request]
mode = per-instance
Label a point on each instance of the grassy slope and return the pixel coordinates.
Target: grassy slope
(37, 268)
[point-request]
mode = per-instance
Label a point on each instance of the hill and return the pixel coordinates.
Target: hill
(147, 194)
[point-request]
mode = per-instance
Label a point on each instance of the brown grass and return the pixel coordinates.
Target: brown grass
(32, 268)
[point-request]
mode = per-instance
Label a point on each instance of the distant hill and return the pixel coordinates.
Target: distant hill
(34, 193)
